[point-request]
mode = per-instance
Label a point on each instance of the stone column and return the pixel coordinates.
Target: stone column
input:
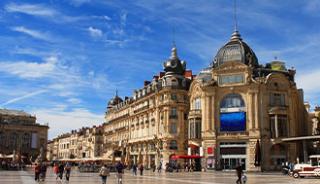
(256, 111)
(212, 112)
(276, 126)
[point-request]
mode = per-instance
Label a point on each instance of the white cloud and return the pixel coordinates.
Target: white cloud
(74, 100)
(95, 32)
(79, 2)
(306, 81)
(28, 95)
(65, 121)
(40, 10)
(34, 33)
(29, 70)
(31, 9)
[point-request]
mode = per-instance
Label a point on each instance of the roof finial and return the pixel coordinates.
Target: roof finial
(116, 92)
(174, 54)
(235, 35)
(235, 15)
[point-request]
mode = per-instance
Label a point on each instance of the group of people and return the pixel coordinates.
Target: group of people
(40, 171)
(59, 169)
(105, 172)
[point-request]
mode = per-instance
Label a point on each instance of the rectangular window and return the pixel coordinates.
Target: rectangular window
(277, 99)
(231, 79)
(173, 128)
(174, 97)
(197, 104)
(173, 113)
(278, 126)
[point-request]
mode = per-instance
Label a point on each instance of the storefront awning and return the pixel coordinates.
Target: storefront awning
(175, 157)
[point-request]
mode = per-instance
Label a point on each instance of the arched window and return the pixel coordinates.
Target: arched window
(173, 145)
(231, 101)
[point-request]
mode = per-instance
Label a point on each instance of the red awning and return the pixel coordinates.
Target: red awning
(175, 157)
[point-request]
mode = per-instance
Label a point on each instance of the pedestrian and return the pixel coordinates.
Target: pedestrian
(134, 169)
(67, 170)
(160, 167)
(37, 172)
(61, 170)
(119, 168)
(104, 173)
(239, 174)
(141, 169)
(153, 167)
(43, 171)
(56, 170)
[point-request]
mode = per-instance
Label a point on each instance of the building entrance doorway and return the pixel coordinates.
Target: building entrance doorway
(232, 155)
(232, 163)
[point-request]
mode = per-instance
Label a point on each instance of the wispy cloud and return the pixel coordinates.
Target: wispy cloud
(79, 2)
(31, 9)
(28, 95)
(33, 33)
(44, 11)
(95, 32)
(30, 70)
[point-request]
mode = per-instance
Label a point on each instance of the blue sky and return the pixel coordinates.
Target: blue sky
(62, 60)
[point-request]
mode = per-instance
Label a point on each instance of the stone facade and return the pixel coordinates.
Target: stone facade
(236, 102)
(150, 127)
(20, 133)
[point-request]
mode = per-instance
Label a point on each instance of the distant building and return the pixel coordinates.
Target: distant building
(20, 133)
(85, 144)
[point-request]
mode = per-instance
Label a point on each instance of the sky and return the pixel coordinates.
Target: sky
(62, 60)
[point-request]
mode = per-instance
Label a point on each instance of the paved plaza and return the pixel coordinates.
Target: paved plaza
(211, 177)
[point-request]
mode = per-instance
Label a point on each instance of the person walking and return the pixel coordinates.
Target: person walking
(239, 174)
(104, 173)
(160, 167)
(61, 170)
(119, 168)
(134, 169)
(141, 169)
(37, 173)
(56, 170)
(43, 171)
(67, 170)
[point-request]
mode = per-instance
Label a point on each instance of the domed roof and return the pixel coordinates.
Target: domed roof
(115, 100)
(174, 64)
(235, 50)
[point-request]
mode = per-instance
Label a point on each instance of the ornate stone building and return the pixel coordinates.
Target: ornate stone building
(240, 111)
(150, 127)
(20, 133)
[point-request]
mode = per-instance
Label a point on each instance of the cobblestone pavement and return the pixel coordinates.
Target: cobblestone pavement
(211, 177)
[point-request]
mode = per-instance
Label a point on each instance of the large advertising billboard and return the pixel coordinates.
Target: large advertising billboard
(233, 121)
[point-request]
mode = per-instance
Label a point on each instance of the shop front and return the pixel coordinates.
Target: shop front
(232, 154)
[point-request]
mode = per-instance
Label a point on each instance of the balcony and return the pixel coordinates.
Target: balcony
(195, 113)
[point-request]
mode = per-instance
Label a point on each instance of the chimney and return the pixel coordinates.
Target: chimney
(155, 77)
(146, 83)
(188, 74)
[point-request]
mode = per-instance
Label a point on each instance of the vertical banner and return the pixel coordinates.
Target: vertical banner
(201, 151)
(189, 151)
(34, 140)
